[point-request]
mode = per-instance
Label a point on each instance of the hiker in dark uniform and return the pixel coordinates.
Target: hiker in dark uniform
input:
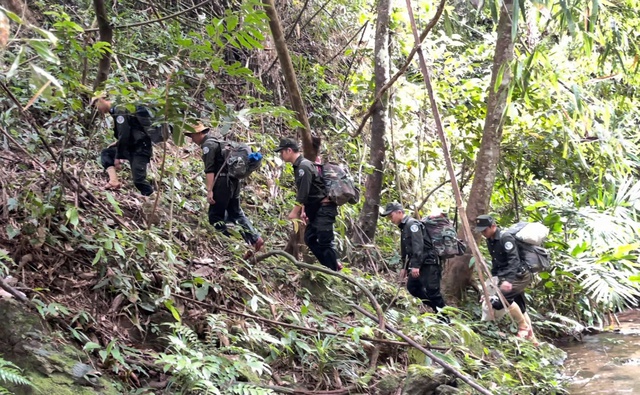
(313, 205)
(418, 256)
(133, 144)
(223, 192)
(513, 274)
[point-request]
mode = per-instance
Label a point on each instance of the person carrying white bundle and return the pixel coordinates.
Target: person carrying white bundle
(513, 272)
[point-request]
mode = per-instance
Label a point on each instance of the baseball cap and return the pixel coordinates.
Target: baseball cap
(483, 222)
(287, 142)
(391, 207)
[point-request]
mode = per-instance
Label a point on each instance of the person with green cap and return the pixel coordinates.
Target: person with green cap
(223, 191)
(512, 273)
(418, 257)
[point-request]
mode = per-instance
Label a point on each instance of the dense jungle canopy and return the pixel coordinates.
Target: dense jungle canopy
(528, 110)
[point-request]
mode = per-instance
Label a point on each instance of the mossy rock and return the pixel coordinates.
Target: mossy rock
(320, 286)
(422, 380)
(447, 390)
(47, 364)
(388, 385)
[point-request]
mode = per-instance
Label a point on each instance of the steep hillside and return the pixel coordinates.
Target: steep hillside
(145, 297)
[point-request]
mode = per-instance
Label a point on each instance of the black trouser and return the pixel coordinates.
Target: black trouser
(226, 193)
(319, 234)
(516, 294)
(426, 287)
(138, 164)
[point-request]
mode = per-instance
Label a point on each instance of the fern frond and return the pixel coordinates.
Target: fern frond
(10, 373)
(249, 389)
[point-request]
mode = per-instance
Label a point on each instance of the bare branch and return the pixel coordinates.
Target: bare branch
(432, 23)
(154, 20)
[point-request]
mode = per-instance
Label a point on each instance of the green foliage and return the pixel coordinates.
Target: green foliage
(10, 374)
(205, 367)
(593, 240)
(5, 262)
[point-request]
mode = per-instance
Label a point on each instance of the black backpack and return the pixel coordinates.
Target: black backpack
(157, 133)
(443, 236)
(239, 160)
(535, 256)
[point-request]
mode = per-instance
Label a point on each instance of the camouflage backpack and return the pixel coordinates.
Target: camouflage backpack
(443, 236)
(338, 184)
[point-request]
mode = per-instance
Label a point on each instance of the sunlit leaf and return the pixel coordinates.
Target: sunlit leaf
(14, 66)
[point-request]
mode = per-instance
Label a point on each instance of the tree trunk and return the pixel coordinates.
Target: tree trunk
(291, 83)
(457, 276)
(290, 80)
(380, 119)
(106, 35)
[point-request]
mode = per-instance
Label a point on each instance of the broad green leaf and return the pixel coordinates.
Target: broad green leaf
(496, 86)
(47, 34)
(232, 22)
(90, 346)
(114, 203)
(43, 49)
(11, 15)
(72, 216)
(202, 292)
(141, 249)
(514, 20)
(14, 66)
(98, 256)
(118, 248)
(115, 353)
(49, 77)
(176, 314)
(12, 231)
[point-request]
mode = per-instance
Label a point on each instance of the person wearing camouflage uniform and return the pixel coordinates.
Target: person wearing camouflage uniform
(313, 206)
(223, 191)
(419, 257)
(133, 144)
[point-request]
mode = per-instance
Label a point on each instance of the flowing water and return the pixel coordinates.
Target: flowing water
(607, 363)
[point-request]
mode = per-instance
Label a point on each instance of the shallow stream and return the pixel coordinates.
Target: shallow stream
(609, 362)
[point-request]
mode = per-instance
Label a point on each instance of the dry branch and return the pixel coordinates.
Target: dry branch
(154, 20)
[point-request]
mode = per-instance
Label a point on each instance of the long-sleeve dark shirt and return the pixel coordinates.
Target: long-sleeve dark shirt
(130, 131)
(414, 249)
(308, 182)
(212, 155)
(505, 258)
